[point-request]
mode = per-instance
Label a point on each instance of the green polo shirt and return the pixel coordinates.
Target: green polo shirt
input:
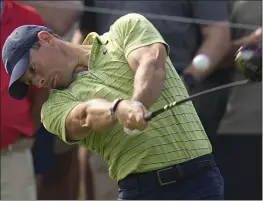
(173, 137)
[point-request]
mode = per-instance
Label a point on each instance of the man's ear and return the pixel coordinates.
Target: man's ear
(44, 37)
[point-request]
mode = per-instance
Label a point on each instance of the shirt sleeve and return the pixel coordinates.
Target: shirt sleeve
(211, 10)
(135, 31)
(55, 111)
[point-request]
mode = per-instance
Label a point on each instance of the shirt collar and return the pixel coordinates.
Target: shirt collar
(79, 74)
(96, 41)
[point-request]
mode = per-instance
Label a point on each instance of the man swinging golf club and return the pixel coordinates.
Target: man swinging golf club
(107, 84)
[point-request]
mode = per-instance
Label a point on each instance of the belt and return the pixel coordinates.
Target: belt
(170, 174)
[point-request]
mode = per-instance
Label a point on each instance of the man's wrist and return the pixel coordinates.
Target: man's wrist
(114, 107)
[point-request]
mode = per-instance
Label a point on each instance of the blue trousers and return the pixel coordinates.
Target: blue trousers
(208, 185)
(43, 151)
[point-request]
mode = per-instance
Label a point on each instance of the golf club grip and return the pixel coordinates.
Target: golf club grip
(153, 114)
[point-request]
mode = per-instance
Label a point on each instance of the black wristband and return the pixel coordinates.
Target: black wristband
(115, 104)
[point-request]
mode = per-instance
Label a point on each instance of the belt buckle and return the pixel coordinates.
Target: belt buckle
(159, 177)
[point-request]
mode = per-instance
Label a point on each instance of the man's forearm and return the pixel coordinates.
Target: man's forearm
(216, 43)
(148, 82)
(75, 121)
(93, 115)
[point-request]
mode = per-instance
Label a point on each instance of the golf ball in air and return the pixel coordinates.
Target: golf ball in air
(201, 62)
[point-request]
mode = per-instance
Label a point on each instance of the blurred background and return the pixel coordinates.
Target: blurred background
(232, 118)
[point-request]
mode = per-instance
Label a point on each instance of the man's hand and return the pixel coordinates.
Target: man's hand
(93, 115)
(98, 115)
(257, 36)
(253, 38)
(197, 74)
(131, 115)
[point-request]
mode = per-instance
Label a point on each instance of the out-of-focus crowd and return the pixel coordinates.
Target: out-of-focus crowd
(37, 165)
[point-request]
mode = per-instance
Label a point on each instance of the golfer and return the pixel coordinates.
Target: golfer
(101, 91)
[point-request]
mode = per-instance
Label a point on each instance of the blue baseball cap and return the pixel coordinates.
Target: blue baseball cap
(15, 55)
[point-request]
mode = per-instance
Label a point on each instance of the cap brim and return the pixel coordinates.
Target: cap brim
(17, 89)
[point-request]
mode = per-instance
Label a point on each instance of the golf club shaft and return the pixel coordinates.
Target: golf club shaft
(153, 114)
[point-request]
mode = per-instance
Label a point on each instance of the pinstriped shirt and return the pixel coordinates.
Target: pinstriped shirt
(173, 137)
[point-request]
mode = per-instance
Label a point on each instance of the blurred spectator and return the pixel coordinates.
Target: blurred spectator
(43, 154)
(58, 15)
(62, 181)
(240, 133)
(19, 119)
